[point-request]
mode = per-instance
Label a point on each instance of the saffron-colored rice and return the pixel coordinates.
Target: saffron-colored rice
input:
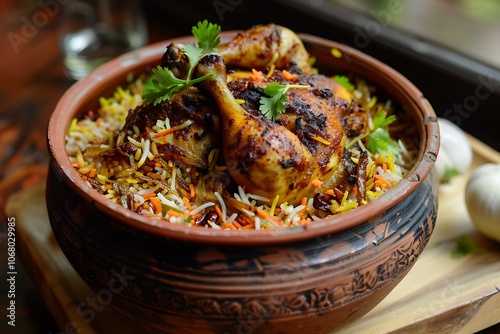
(157, 193)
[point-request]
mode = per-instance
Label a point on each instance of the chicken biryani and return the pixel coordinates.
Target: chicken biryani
(242, 135)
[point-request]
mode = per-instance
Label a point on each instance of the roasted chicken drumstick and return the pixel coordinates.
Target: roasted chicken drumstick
(296, 156)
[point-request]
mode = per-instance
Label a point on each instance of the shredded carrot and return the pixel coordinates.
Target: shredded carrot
(227, 225)
(184, 192)
(93, 172)
(256, 76)
(304, 203)
(186, 214)
(381, 181)
(241, 221)
(137, 204)
(249, 226)
(355, 190)
(245, 218)
(108, 186)
(219, 212)
(149, 195)
(164, 132)
(99, 121)
(276, 220)
(235, 224)
(304, 221)
(173, 213)
(156, 203)
(76, 164)
(186, 203)
(289, 76)
(262, 213)
(192, 190)
(317, 183)
(330, 192)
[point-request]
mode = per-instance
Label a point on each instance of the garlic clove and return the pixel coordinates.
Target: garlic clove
(455, 152)
(482, 199)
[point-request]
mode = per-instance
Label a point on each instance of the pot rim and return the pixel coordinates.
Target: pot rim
(111, 73)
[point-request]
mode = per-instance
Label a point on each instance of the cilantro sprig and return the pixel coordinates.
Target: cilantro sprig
(465, 246)
(344, 81)
(162, 84)
(273, 105)
(379, 139)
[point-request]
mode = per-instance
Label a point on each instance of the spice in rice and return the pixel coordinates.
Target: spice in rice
(152, 186)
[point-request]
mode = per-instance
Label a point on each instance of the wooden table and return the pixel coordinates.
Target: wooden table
(31, 82)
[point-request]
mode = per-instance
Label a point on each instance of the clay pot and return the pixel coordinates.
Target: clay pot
(179, 279)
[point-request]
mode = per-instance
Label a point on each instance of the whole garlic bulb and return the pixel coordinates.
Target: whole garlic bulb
(482, 198)
(455, 151)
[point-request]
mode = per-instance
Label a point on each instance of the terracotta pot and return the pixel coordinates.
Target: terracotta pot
(179, 279)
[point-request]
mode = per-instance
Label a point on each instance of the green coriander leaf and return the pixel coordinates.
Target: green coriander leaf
(161, 85)
(194, 54)
(207, 35)
(273, 105)
(275, 88)
(466, 246)
(379, 122)
(344, 81)
(380, 141)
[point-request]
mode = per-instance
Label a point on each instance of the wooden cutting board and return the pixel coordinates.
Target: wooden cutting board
(441, 294)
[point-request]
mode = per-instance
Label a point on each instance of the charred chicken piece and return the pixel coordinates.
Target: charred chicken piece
(264, 157)
(188, 146)
(176, 60)
(263, 45)
(269, 158)
(318, 116)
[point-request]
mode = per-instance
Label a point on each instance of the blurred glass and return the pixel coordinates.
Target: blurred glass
(94, 31)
